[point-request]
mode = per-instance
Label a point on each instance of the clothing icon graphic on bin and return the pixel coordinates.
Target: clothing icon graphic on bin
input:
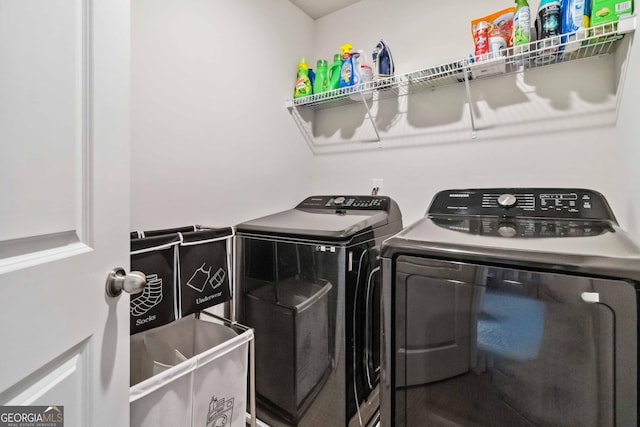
(220, 412)
(217, 279)
(201, 277)
(149, 298)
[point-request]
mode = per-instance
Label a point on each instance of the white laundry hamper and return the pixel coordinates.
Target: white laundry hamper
(190, 373)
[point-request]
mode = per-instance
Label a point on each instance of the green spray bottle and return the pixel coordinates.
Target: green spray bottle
(303, 83)
(334, 72)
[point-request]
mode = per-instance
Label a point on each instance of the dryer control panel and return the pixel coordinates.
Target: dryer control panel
(379, 203)
(559, 203)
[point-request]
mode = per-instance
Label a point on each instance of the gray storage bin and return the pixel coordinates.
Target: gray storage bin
(292, 337)
(189, 373)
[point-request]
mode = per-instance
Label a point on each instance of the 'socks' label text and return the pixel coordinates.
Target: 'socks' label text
(145, 320)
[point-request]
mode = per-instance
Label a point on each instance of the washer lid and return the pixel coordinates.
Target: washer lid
(336, 218)
(593, 247)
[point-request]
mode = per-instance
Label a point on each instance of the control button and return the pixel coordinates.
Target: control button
(507, 200)
(338, 200)
(507, 230)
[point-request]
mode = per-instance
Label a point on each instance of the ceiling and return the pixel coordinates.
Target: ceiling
(319, 8)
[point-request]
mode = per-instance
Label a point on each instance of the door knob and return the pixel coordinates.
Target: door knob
(118, 281)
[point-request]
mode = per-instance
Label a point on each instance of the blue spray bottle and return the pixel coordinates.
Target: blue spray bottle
(347, 71)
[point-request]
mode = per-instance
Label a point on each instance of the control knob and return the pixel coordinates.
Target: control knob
(338, 201)
(507, 200)
(507, 230)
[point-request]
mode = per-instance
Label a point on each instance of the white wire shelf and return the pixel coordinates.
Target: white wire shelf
(592, 42)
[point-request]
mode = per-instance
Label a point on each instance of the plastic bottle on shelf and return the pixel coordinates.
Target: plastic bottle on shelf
(347, 70)
(312, 78)
(363, 74)
(548, 29)
(575, 18)
(521, 36)
(334, 72)
(364, 68)
(303, 82)
(321, 83)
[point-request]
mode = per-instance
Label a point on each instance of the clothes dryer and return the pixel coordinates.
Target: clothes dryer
(511, 307)
(308, 283)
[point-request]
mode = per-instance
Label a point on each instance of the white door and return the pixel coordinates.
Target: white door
(64, 207)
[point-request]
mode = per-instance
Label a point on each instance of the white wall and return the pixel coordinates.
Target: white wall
(580, 149)
(211, 140)
(629, 134)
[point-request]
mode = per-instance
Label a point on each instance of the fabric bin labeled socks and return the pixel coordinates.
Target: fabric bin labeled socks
(156, 257)
(187, 270)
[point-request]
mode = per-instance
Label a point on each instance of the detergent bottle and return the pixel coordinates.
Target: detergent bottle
(321, 82)
(363, 74)
(575, 18)
(334, 72)
(347, 70)
(365, 70)
(303, 82)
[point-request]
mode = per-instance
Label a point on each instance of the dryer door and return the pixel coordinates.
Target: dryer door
(483, 345)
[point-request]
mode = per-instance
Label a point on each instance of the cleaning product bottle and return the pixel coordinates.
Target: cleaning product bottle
(357, 68)
(382, 61)
(575, 18)
(364, 68)
(334, 72)
(548, 29)
(347, 71)
(321, 83)
(521, 35)
(364, 74)
(312, 78)
(303, 83)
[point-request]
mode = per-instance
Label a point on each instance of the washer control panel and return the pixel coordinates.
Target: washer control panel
(523, 227)
(380, 203)
(559, 203)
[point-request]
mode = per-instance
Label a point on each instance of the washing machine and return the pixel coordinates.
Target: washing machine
(511, 307)
(308, 282)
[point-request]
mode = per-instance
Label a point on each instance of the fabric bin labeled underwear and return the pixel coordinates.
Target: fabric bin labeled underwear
(156, 257)
(204, 268)
(189, 373)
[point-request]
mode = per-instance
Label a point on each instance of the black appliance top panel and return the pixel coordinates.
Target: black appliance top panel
(333, 218)
(590, 247)
(522, 227)
(559, 203)
(357, 203)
